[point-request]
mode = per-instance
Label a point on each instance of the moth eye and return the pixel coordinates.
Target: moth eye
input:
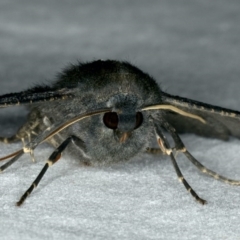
(110, 120)
(139, 120)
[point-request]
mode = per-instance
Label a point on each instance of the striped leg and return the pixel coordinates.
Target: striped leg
(164, 145)
(181, 148)
(9, 140)
(29, 129)
(55, 156)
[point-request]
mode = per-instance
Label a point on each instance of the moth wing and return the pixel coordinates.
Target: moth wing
(220, 122)
(35, 95)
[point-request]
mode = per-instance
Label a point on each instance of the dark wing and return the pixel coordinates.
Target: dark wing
(220, 122)
(35, 95)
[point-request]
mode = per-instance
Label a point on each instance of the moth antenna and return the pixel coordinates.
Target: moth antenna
(10, 155)
(174, 109)
(10, 162)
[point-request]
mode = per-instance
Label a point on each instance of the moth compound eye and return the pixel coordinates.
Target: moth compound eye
(139, 120)
(110, 120)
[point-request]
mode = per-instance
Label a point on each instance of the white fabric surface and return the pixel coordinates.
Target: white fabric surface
(193, 49)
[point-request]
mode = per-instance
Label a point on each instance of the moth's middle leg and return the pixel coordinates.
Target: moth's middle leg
(180, 147)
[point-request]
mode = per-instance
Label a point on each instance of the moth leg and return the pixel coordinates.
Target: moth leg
(181, 148)
(163, 144)
(16, 155)
(154, 151)
(19, 136)
(55, 156)
(31, 153)
(9, 140)
(27, 130)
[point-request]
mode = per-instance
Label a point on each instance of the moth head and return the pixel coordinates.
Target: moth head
(124, 117)
(123, 122)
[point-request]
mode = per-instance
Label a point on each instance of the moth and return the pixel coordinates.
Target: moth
(105, 112)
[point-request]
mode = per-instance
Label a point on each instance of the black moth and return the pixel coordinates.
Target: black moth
(105, 112)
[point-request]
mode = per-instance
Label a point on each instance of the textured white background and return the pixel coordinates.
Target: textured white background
(192, 48)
